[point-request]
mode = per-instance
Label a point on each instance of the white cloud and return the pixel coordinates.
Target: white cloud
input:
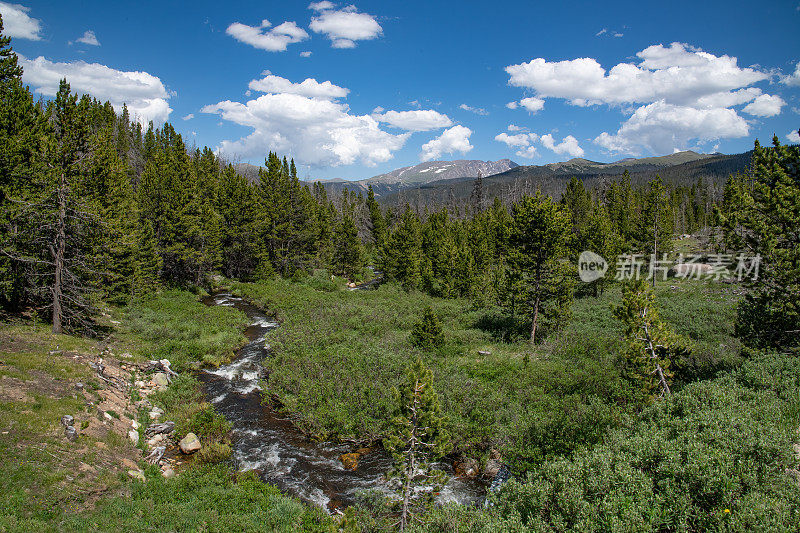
(512, 105)
(321, 6)
(601, 32)
(569, 145)
(263, 38)
(143, 93)
(666, 82)
(417, 120)
(793, 136)
(455, 139)
(522, 141)
(518, 140)
(344, 26)
(89, 38)
(793, 80)
(514, 127)
(532, 104)
(306, 53)
(765, 106)
(675, 74)
(18, 24)
(661, 128)
(525, 144)
(477, 110)
(190, 116)
(315, 131)
(309, 87)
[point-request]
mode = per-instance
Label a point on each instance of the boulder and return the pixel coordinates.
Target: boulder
(350, 460)
(134, 436)
(160, 380)
(71, 433)
(168, 473)
(136, 474)
(67, 420)
(492, 468)
(155, 413)
(466, 467)
(189, 444)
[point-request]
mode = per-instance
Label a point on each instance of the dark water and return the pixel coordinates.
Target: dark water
(268, 443)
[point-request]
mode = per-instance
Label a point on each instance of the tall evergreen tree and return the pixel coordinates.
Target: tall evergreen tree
(538, 241)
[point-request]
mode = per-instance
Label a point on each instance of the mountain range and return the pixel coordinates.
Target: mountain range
(439, 181)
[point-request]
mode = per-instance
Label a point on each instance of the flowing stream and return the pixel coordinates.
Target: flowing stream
(267, 442)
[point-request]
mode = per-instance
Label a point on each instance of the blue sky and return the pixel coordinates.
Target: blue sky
(355, 90)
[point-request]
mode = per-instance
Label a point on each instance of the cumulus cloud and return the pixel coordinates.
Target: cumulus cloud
(569, 145)
(514, 127)
(665, 82)
(524, 142)
(89, 38)
(477, 110)
(318, 131)
(455, 139)
(144, 94)
(264, 38)
(532, 104)
(792, 80)
(661, 128)
(308, 87)
(676, 74)
(793, 136)
(512, 105)
(416, 120)
(343, 26)
(765, 106)
(18, 24)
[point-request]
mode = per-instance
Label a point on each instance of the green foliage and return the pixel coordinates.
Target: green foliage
(427, 333)
(541, 283)
(710, 457)
(761, 216)
(417, 435)
(651, 344)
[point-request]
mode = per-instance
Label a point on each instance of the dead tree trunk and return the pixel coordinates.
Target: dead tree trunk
(58, 259)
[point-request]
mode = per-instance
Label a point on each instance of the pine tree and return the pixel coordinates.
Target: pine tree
(427, 334)
(418, 435)
(147, 271)
(347, 254)
(651, 344)
(601, 238)
(761, 219)
(656, 225)
(538, 241)
(403, 252)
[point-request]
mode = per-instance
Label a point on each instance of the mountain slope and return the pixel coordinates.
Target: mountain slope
(422, 174)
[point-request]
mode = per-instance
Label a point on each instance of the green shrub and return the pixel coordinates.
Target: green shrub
(713, 456)
(427, 333)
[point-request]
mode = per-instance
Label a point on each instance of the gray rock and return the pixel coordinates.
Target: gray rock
(190, 443)
(168, 473)
(134, 436)
(161, 380)
(136, 474)
(79, 385)
(492, 468)
(67, 420)
(71, 433)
